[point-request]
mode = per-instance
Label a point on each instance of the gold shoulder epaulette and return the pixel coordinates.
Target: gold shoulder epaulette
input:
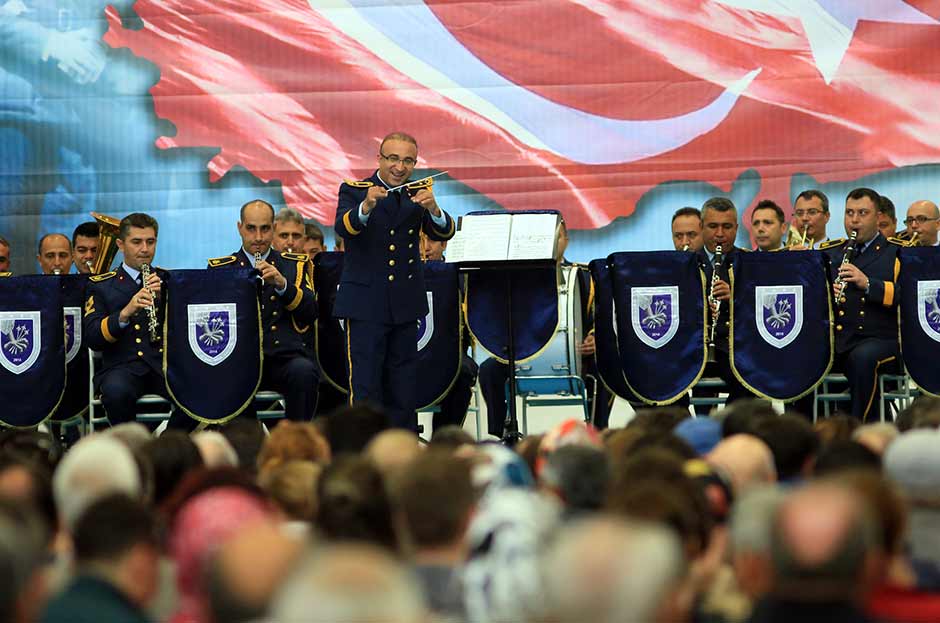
(358, 183)
(296, 257)
(103, 276)
(6, 274)
(901, 242)
(215, 262)
(830, 243)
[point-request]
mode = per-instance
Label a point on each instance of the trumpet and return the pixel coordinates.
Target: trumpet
(797, 239)
(56, 271)
(714, 303)
(152, 309)
(840, 283)
(685, 247)
(912, 241)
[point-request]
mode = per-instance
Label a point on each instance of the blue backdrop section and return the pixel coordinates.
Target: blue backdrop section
(77, 132)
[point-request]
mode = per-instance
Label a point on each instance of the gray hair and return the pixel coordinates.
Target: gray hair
(350, 583)
(607, 570)
(289, 215)
(95, 467)
(752, 519)
(22, 547)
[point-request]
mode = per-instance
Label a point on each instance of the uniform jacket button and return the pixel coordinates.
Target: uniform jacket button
(391, 277)
(391, 232)
(391, 247)
(137, 340)
(274, 327)
(391, 262)
(136, 327)
(140, 353)
(838, 327)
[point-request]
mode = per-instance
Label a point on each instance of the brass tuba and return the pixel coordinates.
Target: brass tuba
(108, 230)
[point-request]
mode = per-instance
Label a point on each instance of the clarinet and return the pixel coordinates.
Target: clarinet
(152, 309)
(714, 303)
(840, 283)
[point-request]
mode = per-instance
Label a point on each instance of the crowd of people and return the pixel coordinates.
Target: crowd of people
(744, 515)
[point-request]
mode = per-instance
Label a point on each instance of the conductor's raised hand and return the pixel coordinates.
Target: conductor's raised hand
(372, 196)
(425, 198)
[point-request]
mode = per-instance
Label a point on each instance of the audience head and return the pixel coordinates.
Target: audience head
(29, 483)
(246, 436)
(840, 456)
(23, 551)
(912, 462)
(701, 433)
(215, 449)
(95, 467)
(350, 583)
(117, 537)
(293, 441)
(354, 505)
(752, 518)
(924, 412)
(452, 436)
(350, 429)
(247, 570)
(292, 486)
(132, 434)
(579, 476)
(393, 449)
(746, 459)
(741, 416)
(838, 427)
(793, 443)
(822, 542)
(435, 495)
(876, 437)
(172, 455)
(608, 570)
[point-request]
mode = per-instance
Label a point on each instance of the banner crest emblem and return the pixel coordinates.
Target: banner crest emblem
(73, 332)
(928, 308)
(20, 340)
(213, 331)
(655, 314)
(779, 314)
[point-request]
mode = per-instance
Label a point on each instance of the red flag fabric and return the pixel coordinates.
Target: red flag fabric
(576, 105)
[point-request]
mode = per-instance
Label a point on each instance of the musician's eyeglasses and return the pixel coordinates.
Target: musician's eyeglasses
(395, 159)
(812, 213)
(920, 220)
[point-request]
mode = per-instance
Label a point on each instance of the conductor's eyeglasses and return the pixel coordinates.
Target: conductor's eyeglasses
(395, 159)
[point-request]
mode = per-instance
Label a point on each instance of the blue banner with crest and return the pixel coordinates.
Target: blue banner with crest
(32, 349)
(606, 348)
(75, 400)
(331, 336)
(919, 315)
(781, 322)
(212, 356)
(439, 334)
(659, 302)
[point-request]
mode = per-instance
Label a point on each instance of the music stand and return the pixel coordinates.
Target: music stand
(529, 242)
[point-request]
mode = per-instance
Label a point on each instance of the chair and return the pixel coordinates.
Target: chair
(899, 395)
(95, 401)
(826, 395)
(549, 391)
(708, 382)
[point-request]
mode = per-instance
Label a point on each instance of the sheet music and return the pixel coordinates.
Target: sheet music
(481, 238)
(533, 237)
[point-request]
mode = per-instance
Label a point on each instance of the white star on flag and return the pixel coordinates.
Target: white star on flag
(830, 24)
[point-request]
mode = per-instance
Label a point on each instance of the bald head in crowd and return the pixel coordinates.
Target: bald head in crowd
(608, 570)
(393, 449)
(822, 538)
(746, 459)
(350, 583)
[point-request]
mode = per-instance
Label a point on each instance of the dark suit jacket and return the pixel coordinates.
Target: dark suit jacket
(873, 314)
(130, 346)
(382, 275)
(287, 320)
(89, 599)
